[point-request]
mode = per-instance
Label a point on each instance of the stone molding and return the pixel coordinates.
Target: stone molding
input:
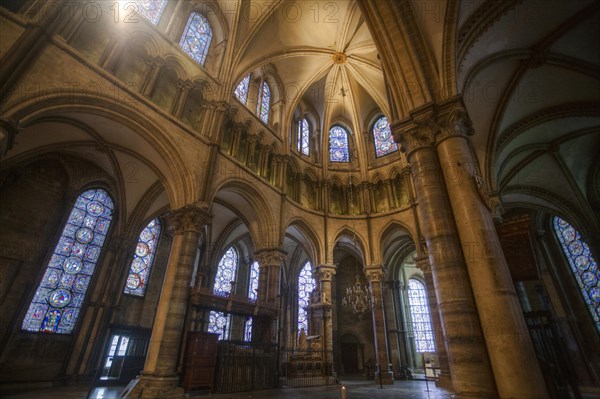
(273, 257)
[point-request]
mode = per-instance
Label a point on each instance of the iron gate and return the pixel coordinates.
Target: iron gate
(246, 366)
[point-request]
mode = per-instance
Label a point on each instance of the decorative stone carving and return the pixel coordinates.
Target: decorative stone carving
(270, 257)
(326, 272)
(189, 218)
(374, 275)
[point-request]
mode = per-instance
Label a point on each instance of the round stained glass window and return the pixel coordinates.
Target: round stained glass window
(52, 278)
(569, 234)
(72, 265)
(588, 278)
(137, 265)
(59, 298)
(582, 262)
(141, 249)
(84, 235)
(595, 294)
(95, 208)
(133, 281)
(576, 248)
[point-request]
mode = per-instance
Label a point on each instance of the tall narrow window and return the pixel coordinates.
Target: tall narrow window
(196, 37)
(226, 271)
(306, 284)
(139, 271)
(248, 330)
(57, 301)
(264, 103)
(382, 138)
(582, 264)
(419, 312)
(338, 145)
(151, 9)
(219, 323)
(241, 91)
(253, 283)
(303, 137)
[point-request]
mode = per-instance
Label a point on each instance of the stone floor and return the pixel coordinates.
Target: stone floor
(355, 389)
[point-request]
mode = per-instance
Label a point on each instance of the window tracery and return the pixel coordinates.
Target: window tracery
(57, 301)
(253, 283)
(306, 284)
(582, 265)
(141, 265)
(241, 91)
(338, 144)
(421, 321)
(383, 138)
(264, 103)
(196, 37)
(303, 137)
(226, 272)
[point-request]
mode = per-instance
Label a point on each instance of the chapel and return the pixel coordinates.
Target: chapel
(236, 195)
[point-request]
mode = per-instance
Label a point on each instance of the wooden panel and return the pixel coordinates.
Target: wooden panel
(199, 360)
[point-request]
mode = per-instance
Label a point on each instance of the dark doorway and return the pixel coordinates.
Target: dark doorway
(125, 355)
(352, 355)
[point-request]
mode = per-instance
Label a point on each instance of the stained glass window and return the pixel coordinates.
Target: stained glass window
(583, 265)
(306, 284)
(248, 330)
(382, 138)
(253, 283)
(264, 102)
(241, 91)
(218, 323)
(139, 271)
(338, 145)
(151, 9)
(419, 312)
(196, 37)
(226, 271)
(303, 137)
(59, 295)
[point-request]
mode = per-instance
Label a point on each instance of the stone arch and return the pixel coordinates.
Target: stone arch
(250, 203)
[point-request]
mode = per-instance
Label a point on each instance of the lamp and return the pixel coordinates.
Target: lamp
(357, 299)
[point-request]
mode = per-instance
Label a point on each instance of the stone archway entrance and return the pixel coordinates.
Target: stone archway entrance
(352, 355)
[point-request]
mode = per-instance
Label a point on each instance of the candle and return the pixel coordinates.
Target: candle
(343, 393)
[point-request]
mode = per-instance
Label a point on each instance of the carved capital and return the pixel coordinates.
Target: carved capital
(422, 263)
(191, 217)
(326, 272)
(416, 132)
(374, 274)
(270, 257)
(454, 121)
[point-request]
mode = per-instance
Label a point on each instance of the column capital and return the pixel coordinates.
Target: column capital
(423, 263)
(326, 272)
(188, 218)
(270, 256)
(374, 273)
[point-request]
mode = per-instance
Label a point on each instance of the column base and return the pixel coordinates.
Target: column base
(444, 381)
(384, 378)
(150, 386)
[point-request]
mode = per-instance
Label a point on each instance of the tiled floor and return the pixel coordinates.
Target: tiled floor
(355, 389)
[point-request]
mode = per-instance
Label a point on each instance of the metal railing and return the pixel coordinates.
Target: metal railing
(306, 368)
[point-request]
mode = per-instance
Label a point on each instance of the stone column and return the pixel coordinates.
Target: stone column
(153, 66)
(325, 274)
(444, 379)
(159, 378)
(508, 342)
(181, 97)
(270, 262)
(391, 323)
(374, 275)
(467, 355)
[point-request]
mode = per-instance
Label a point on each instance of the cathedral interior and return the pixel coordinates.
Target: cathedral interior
(234, 195)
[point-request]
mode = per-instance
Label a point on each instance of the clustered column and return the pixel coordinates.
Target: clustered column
(159, 378)
(467, 355)
(509, 345)
(374, 275)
